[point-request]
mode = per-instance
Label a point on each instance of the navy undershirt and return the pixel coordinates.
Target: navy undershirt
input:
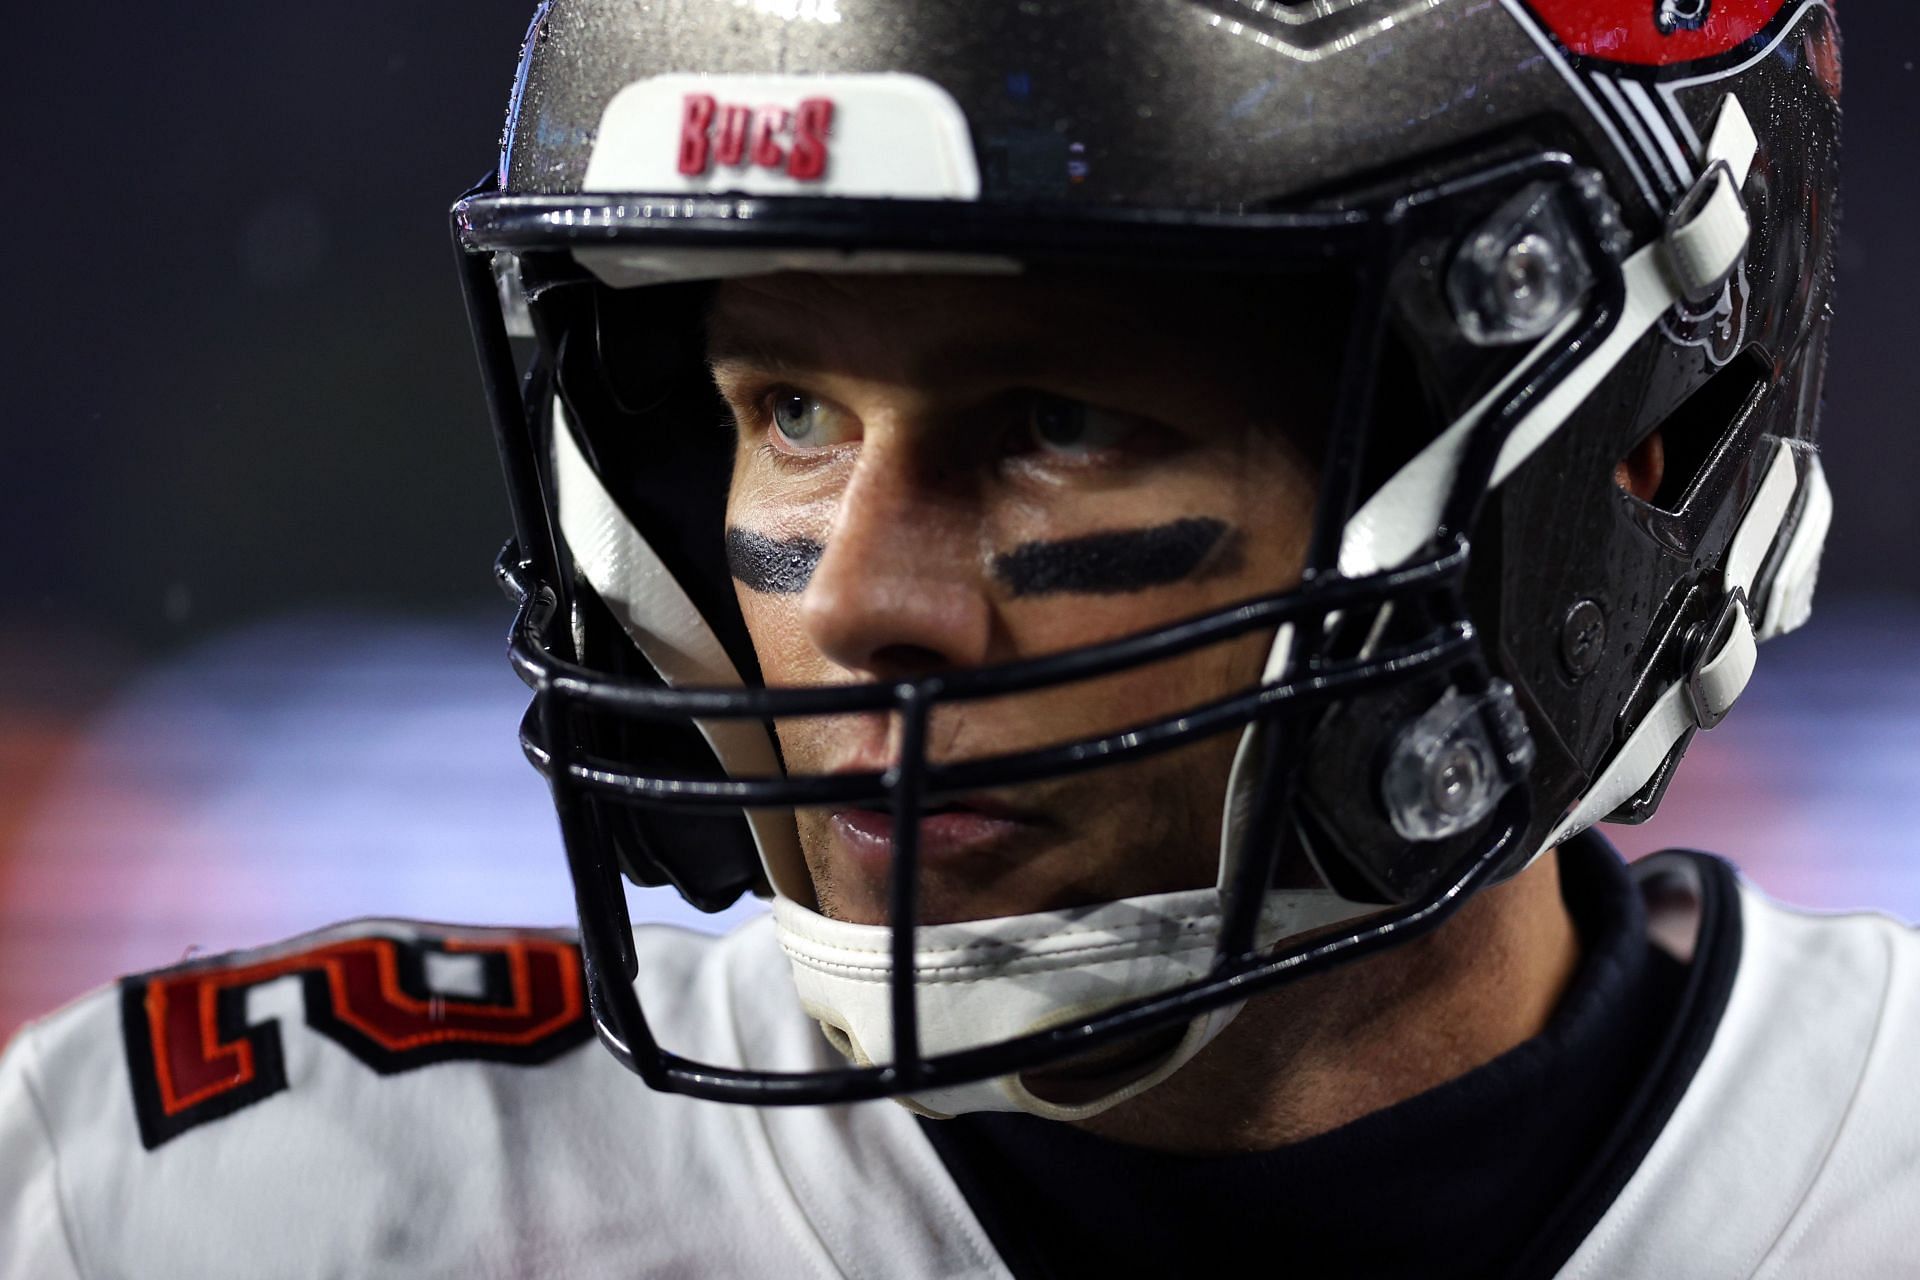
(1454, 1182)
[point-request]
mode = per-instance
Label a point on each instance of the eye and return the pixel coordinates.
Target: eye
(1072, 429)
(808, 422)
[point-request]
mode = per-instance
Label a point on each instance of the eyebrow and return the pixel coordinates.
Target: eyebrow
(1000, 359)
(734, 347)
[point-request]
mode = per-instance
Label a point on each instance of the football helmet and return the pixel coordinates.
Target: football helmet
(1557, 227)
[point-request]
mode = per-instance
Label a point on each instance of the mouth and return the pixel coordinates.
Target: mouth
(947, 832)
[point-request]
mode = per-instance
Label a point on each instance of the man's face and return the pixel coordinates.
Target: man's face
(946, 471)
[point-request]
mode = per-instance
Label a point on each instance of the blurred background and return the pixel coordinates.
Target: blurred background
(251, 657)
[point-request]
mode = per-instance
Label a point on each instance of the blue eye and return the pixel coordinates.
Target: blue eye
(1070, 428)
(796, 416)
(810, 422)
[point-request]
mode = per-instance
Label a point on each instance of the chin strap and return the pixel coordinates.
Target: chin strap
(983, 981)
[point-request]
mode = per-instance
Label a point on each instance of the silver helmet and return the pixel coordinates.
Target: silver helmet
(1539, 231)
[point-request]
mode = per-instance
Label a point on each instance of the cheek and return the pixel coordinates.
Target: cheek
(1280, 516)
(773, 624)
(760, 506)
(787, 660)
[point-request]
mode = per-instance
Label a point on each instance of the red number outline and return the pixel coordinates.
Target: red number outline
(193, 1056)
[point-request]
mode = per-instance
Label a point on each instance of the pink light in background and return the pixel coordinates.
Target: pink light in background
(319, 769)
(1813, 784)
(282, 779)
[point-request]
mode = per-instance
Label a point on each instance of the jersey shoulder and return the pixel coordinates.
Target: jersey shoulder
(390, 1098)
(238, 1099)
(350, 1101)
(1799, 1133)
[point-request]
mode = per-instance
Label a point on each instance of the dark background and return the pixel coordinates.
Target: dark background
(241, 377)
(240, 374)
(252, 676)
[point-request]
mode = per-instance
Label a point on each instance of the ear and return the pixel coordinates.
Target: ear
(1642, 470)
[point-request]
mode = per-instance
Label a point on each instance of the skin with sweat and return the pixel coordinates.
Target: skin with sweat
(946, 471)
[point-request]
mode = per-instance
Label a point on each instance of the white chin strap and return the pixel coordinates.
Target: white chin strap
(985, 981)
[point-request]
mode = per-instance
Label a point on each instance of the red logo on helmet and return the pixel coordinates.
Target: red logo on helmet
(1655, 33)
(767, 137)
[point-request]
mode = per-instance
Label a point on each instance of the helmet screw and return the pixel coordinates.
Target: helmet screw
(1449, 768)
(1583, 638)
(1458, 781)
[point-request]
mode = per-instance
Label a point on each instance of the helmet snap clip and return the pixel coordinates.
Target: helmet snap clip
(1450, 767)
(1520, 273)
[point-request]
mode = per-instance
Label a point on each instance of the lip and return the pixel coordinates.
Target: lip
(866, 835)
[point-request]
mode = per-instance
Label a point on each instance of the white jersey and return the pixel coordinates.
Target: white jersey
(388, 1099)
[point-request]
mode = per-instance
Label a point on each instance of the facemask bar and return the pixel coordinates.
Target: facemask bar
(1430, 587)
(623, 1025)
(574, 688)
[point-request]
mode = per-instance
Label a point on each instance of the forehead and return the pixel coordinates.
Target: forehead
(940, 327)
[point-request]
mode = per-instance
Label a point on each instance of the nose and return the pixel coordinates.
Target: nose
(899, 589)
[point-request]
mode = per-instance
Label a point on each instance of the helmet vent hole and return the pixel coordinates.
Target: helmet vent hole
(1702, 427)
